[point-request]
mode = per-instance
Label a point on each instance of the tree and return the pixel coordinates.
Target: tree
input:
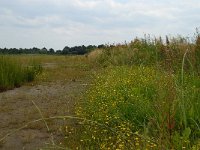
(43, 50)
(66, 50)
(101, 46)
(51, 51)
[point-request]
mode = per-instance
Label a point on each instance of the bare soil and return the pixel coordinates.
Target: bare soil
(17, 109)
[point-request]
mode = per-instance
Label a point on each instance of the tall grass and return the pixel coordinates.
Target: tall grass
(147, 97)
(14, 74)
(150, 52)
(141, 103)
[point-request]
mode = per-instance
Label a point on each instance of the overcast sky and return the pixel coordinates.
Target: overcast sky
(57, 23)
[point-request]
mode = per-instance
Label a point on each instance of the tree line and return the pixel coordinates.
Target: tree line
(76, 50)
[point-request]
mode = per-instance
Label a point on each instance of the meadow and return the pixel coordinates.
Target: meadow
(140, 95)
(145, 97)
(17, 70)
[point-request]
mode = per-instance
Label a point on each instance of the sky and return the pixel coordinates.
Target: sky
(59, 23)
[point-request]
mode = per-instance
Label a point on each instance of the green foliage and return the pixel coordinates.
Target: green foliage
(32, 71)
(143, 100)
(13, 74)
(117, 100)
(182, 141)
(197, 54)
(153, 53)
(76, 50)
(146, 97)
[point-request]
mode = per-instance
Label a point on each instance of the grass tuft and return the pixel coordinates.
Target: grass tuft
(14, 74)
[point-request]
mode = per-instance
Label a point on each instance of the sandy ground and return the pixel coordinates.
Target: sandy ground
(17, 109)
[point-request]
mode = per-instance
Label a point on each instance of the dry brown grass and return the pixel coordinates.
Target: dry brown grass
(57, 67)
(92, 56)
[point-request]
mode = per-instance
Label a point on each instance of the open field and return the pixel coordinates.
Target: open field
(55, 91)
(141, 95)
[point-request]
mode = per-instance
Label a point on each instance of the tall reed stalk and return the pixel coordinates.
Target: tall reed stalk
(182, 89)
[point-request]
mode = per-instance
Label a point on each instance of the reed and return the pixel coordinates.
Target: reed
(14, 74)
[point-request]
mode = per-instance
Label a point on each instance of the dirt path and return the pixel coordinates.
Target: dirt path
(17, 109)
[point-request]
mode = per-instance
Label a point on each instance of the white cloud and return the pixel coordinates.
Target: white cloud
(9, 18)
(85, 4)
(93, 21)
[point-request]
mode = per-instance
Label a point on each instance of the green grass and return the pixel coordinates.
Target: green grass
(14, 74)
(143, 103)
(54, 67)
(146, 97)
(146, 94)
